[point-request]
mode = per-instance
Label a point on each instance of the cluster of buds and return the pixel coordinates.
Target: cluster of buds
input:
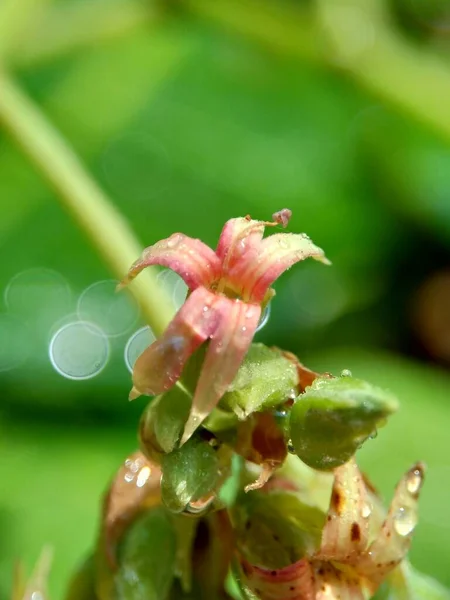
(246, 484)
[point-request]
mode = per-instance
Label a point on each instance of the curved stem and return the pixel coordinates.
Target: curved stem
(81, 196)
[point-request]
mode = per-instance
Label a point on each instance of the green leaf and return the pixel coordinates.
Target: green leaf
(265, 379)
(163, 421)
(189, 473)
(147, 558)
(334, 417)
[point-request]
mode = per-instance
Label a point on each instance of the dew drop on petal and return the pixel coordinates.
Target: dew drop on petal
(137, 343)
(414, 481)
(366, 510)
(116, 313)
(346, 373)
(264, 318)
(405, 521)
(79, 350)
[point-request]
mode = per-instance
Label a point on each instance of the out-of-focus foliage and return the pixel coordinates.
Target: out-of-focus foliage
(185, 121)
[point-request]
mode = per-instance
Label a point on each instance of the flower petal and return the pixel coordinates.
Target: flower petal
(394, 540)
(346, 531)
(333, 584)
(159, 367)
(294, 582)
(227, 349)
(239, 237)
(193, 260)
(274, 255)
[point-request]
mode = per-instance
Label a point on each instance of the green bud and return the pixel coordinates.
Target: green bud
(163, 421)
(275, 529)
(189, 474)
(333, 418)
(265, 380)
(147, 558)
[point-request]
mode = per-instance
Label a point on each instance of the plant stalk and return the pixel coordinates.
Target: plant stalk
(81, 196)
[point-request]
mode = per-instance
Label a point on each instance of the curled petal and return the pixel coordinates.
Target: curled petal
(193, 260)
(239, 237)
(159, 367)
(346, 531)
(294, 582)
(229, 345)
(275, 254)
(394, 540)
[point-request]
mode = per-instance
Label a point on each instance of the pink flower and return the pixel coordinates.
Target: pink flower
(227, 290)
(361, 544)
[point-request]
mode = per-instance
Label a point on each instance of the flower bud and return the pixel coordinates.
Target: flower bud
(147, 558)
(333, 418)
(189, 474)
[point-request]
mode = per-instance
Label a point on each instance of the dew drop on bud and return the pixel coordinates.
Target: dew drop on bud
(366, 510)
(346, 373)
(414, 481)
(405, 521)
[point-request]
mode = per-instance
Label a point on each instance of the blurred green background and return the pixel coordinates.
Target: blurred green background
(187, 114)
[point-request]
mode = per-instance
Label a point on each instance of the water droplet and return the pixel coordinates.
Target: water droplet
(137, 343)
(174, 240)
(346, 373)
(243, 329)
(128, 477)
(79, 350)
(414, 481)
(405, 520)
(366, 510)
(373, 435)
(264, 318)
(143, 476)
(290, 447)
(205, 308)
(115, 313)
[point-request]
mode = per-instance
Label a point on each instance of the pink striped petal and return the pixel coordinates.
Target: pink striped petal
(294, 582)
(193, 260)
(346, 531)
(394, 539)
(239, 238)
(275, 254)
(160, 366)
(227, 349)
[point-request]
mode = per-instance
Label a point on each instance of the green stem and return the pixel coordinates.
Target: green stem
(81, 196)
